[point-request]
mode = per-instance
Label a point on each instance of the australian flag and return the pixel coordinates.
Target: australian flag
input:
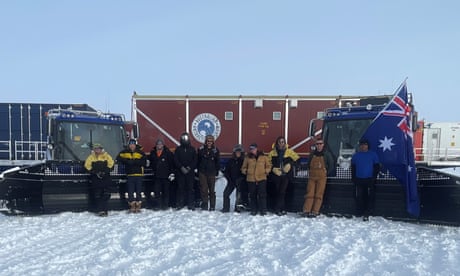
(390, 135)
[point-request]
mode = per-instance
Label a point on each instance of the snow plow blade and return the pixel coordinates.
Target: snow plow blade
(54, 187)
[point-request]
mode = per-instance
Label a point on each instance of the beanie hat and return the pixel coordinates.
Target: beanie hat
(132, 142)
(238, 147)
(364, 141)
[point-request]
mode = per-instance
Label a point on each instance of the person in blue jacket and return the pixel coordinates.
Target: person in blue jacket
(365, 166)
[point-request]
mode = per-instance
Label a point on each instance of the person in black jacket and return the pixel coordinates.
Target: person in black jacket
(185, 161)
(134, 160)
(162, 164)
(208, 169)
(235, 179)
(283, 159)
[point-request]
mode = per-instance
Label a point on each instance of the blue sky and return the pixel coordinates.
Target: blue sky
(99, 52)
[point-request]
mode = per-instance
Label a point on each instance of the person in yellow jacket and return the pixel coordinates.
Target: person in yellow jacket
(256, 166)
(99, 163)
(135, 161)
(282, 159)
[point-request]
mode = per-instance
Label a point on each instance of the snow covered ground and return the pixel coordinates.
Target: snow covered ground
(211, 243)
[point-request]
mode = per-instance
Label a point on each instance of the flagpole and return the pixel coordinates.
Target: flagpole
(400, 86)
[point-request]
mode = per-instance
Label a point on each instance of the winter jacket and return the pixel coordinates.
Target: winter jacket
(134, 161)
(256, 167)
(233, 168)
(93, 162)
(281, 157)
(365, 164)
(185, 156)
(163, 164)
(208, 160)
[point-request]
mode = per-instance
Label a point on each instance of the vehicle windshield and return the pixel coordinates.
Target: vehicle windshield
(342, 137)
(74, 139)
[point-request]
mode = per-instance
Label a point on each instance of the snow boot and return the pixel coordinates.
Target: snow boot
(137, 207)
(132, 207)
(103, 213)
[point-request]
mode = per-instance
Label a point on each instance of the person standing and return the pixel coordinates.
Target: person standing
(282, 159)
(319, 165)
(135, 161)
(185, 162)
(162, 164)
(208, 169)
(365, 166)
(234, 179)
(99, 163)
(256, 166)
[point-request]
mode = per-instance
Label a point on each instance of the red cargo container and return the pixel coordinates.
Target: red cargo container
(230, 119)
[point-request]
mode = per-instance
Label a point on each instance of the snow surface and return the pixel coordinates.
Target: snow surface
(212, 243)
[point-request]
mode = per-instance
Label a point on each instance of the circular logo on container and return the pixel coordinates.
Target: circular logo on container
(205, 124)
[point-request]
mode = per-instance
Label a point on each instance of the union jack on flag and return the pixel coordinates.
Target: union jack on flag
(390, 136)
(403, 111)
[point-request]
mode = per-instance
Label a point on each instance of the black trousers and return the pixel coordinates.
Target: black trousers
(281, 185)
(364, 195)
(185, 190)
(99, 194)
(241, 188)
(161, 193)
(258, 196)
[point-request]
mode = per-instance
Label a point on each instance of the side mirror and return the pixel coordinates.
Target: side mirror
(135, 130)
(414, 122)
(312, 128)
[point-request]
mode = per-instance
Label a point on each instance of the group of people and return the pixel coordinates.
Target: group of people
(247, 173)
(166, 166)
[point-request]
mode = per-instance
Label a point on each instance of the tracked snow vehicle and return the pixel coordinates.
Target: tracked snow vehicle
(59, 182)
(341, 128)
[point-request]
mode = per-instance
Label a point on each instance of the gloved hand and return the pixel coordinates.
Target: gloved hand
(277, 171)
(184, 170)
(287, 168)
(171, 177)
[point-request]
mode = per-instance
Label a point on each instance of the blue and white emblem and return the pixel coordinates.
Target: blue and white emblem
(205, 124)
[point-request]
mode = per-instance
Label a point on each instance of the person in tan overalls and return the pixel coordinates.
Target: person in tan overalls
(319, 166)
